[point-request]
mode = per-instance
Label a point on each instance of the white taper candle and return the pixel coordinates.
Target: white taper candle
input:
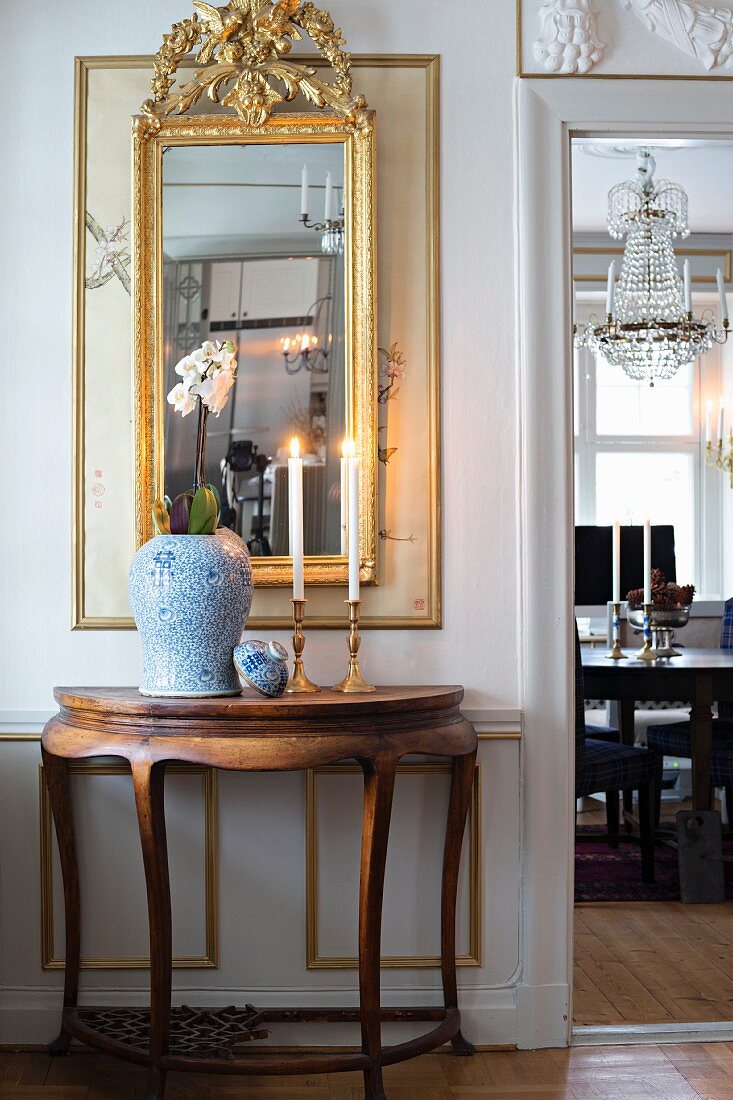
(722, 296)
(328, 209)
(721, 420)
(647, 561)
(616, 586)
(610, 286)
(709, 422)
(353, 528)
(295, 489)
(304, 190)
(347, 449)
(688, 287)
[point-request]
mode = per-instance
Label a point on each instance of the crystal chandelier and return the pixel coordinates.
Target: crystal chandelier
(652, 331)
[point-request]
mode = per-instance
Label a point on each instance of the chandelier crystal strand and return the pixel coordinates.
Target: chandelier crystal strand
(650, 334)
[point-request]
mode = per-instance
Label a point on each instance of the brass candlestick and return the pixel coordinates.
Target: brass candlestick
(353, 682)
(298, 680)
(615, 653)
(646, 653)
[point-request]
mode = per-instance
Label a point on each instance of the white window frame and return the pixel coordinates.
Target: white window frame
(707, 499)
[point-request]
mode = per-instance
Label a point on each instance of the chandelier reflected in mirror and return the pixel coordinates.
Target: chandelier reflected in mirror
(311, 351)
(650, 330)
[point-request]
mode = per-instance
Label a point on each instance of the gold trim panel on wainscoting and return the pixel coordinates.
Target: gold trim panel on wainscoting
(579, 277)
(316, 961)
(210, 958)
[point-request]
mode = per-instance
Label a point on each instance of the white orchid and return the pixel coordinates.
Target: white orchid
(214, 391)
(182, 399)
(189, 369)
(208, 374)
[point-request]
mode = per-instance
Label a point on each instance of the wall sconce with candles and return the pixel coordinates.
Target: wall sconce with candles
(332, 226)
(717, 455)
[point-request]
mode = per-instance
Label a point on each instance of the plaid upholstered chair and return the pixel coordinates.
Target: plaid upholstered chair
(674, 739)
(611, 767)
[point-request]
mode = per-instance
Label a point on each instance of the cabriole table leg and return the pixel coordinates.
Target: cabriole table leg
(56, 771)
(148, 780)
(460, 799)
(379, 780)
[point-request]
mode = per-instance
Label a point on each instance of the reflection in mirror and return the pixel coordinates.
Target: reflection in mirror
(240, 264)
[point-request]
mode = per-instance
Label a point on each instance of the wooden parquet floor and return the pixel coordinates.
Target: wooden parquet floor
(686, 1072)
(652, 962)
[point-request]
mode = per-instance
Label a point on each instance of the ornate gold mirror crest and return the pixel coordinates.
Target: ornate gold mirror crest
(242, 48)
(184, 249)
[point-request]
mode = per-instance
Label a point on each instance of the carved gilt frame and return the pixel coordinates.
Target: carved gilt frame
(360, 325)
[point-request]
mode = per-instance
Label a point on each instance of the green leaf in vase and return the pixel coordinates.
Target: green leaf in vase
(217, 497)
(161, 519)
(204, 510)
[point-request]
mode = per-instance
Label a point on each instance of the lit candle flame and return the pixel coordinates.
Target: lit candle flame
(295, 447)
(347, 448)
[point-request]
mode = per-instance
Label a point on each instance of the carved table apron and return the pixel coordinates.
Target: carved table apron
(292, 733)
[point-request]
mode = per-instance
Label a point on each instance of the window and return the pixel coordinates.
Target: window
(639, 453)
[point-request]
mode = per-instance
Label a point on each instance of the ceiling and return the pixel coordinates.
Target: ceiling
(703, 168)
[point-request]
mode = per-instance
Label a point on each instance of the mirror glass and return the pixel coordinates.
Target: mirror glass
(239, 264)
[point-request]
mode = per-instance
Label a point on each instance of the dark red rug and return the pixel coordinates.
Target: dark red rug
(614, 874)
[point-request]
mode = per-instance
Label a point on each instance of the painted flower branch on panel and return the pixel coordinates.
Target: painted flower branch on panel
(112, 254)
(391, 368)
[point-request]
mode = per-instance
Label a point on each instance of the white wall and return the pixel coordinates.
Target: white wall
(478, 645)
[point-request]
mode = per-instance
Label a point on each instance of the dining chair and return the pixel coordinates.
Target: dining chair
(675, 738)
(605, 765)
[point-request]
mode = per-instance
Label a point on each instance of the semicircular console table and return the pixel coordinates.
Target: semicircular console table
(251, 734)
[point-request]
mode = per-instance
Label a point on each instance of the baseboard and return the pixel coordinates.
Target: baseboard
(716, 1031)
(30, 1017)
(542, 1016)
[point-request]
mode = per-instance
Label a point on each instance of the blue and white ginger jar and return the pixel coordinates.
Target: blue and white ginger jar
(263, 666)
(191, 595)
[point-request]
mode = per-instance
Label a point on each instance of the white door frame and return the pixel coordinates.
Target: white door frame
(549, 114)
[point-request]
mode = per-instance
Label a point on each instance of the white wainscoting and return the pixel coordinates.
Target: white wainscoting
(259, 890)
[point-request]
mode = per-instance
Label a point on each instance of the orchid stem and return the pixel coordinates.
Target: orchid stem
(199, 474)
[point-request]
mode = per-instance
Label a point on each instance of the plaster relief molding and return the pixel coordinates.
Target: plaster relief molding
(702, 32)
(568, 41)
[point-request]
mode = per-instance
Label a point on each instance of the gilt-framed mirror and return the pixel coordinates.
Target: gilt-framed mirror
(259, 228)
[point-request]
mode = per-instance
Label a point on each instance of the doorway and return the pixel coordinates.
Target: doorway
(551, 115)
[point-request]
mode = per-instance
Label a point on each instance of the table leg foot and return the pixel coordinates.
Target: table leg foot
(155, 1089)
(461, 1047)
(373, 1085)
(60, 1046)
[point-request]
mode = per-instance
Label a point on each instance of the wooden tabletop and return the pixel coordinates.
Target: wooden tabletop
(690, 660)
(129, 702)
(250, 732)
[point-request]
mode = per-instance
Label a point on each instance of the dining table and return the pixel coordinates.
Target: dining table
(699, 677)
